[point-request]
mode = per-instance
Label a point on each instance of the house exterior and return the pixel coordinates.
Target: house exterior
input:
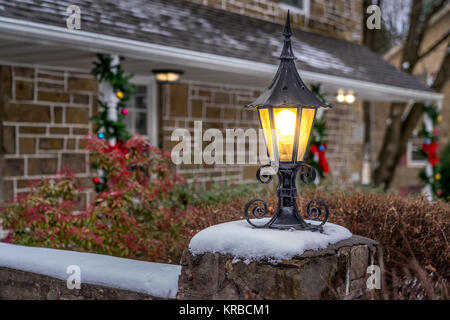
(228, 52)
(406, 178)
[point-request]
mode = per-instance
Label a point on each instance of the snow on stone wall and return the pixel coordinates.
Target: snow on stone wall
(241, 240)
(155, 279)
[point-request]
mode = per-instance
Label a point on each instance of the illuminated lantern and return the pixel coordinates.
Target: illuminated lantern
(286, 111)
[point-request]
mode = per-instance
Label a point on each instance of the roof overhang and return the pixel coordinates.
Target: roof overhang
(43, 34)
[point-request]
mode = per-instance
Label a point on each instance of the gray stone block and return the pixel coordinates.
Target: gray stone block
(329, 273)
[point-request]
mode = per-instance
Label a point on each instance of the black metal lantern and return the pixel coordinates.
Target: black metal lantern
(287, 110)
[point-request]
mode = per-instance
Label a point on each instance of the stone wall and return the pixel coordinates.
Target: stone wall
(222, 107)
(23, 285)
(337, 18)
(217, 106)
(45, 115)
(336, 272)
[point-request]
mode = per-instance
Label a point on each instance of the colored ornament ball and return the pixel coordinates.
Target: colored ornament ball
(321, 148)
(439, 118)
(439, 192)
(438, 176)
(125, 112)
(96, 180)
(427, 141)
(119, 94)
(101, 135)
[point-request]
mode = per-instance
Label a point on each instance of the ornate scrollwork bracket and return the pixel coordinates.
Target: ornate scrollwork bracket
(287, 215)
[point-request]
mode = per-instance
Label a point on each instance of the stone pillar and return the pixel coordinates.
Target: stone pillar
(330, 273)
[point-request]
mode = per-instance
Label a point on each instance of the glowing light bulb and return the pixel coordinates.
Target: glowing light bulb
(350, 98)
(285, 123)
(340, 96)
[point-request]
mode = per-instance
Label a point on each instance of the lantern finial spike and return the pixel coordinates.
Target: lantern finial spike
(287, 28)
(286, 53)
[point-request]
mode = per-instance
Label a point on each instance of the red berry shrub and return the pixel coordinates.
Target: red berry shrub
(130, 218)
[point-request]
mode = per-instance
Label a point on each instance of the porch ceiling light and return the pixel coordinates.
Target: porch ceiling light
(343, 97)
(167, 75)
(340, 96)
(286, 111)
(350, 97)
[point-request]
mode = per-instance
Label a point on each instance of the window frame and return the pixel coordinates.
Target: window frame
(305, 11)
(410, 162)
(152, 106)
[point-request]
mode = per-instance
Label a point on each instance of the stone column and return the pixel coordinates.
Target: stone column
(333, 272)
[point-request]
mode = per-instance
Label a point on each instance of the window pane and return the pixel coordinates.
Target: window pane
(140, 102)
(136, 119)
(128, 120)
(305, 130)
(265, 124)
(141, 123)
(416, 147)
(285, 123)
(294, 3)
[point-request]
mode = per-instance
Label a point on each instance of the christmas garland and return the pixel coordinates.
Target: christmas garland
(113, 128)
(431, 175)
(317, 157)
(114, 75)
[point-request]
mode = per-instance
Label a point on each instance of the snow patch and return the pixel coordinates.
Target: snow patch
(155, 279)
(241, 240)
(313, 56)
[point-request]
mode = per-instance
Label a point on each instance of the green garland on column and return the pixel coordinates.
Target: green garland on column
(429, 150)
(121, 85)
(316, 157)
(105, 128)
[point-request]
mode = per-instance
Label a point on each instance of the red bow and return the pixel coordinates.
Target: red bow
(118, 146)
(431, 151)
(323, 163)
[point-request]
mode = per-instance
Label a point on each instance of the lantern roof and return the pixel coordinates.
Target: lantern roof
(287, 88)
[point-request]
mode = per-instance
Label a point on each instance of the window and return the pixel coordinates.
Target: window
(296, 6)
(136, 119)
(142, 111)
(414, 156)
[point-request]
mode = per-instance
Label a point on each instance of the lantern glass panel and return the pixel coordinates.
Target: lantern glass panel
(285, 123)
(306, 122)
(265, 124)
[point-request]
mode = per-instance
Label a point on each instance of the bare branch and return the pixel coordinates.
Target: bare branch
(434, 46)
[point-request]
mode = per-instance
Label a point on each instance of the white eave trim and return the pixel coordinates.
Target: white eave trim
(47, 34)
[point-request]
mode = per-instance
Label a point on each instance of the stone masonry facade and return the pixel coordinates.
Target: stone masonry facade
(337, 18)
(222, 107)
(217, 106)
(44, 117)
(44, 112)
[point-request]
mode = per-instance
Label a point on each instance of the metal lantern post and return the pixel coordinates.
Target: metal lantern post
(286, 111)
